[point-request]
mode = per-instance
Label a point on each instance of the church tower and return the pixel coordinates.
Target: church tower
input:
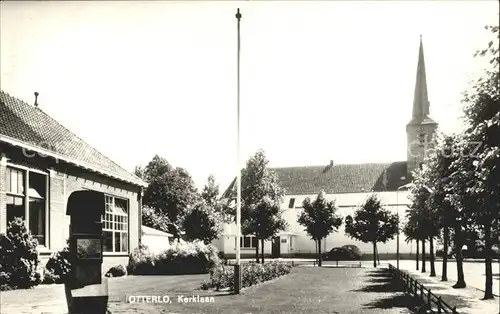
(421, 129)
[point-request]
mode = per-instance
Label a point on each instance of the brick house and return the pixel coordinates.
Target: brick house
(42, 163)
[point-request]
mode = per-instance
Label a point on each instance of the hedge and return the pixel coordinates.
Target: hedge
(251, 274)
(181, 258)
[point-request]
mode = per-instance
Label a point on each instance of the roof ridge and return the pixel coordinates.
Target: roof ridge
(72, 133)
(16, 98)
(348, 178)
(25, 103)
(341, 164)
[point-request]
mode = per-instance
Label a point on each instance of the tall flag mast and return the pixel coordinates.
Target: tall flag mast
(237, 269)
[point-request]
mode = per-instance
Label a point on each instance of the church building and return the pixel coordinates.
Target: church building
(349, 185)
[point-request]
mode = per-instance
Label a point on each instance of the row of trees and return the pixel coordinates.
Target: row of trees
(262, 215)
(172, 203)
(371, 222)
(457, 191)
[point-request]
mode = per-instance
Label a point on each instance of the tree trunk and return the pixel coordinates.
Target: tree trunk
(378, 256)
(374, 254)
(423, 255)
(488, 288)
(319, 252)
(432, 257)
(446, 238)
(417, 253)
(316, 249)
(458, 256)
(257, 251)
(262, 250)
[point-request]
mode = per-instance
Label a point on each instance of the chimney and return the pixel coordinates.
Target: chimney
(329, 167)
(36, 99)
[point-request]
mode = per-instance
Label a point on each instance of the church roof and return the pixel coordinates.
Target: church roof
(341, 178)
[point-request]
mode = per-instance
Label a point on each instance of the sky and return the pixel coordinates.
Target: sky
(320, 81)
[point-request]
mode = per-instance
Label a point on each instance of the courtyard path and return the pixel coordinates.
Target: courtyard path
(307, 290)
(474, 273)
(466, 301)
(473, 270)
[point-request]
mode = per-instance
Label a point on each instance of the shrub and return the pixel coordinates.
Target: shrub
(180, 258)
(19, 260)
(116, 271)
(140, 260)
(220, 278)
(222, 258)
(251, 274)
(50, 278)
(58, 267)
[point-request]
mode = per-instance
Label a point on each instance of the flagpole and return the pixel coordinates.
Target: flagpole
(237, 269)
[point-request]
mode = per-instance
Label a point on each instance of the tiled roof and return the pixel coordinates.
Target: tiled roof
(342, 178)
(28, 126)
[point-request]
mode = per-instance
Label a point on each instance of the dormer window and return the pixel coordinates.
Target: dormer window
(291, 204)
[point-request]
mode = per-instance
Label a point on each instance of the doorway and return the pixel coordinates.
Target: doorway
(275, 249)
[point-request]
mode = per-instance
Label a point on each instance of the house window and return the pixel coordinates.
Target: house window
(248, 242)
(27, 199)
(291, 203)
(115, 225)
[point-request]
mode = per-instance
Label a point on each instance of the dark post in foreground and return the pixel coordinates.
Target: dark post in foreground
(237, 267)
(86, 289)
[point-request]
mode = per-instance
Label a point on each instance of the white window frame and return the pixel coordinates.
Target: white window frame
(114, 213)
(27, 171)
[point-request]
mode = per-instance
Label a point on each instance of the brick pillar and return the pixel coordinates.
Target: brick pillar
(58, 227)
(140, 195)
(3, 196)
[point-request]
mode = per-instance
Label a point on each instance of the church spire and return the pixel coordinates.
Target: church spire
(421, 130)
(421, 99)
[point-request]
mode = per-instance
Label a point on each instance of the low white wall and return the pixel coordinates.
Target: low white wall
(156, 243)
(347, 204)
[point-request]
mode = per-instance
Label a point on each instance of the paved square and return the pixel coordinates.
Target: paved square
(305, 290)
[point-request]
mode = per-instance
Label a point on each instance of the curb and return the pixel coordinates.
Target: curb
(494, 294)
